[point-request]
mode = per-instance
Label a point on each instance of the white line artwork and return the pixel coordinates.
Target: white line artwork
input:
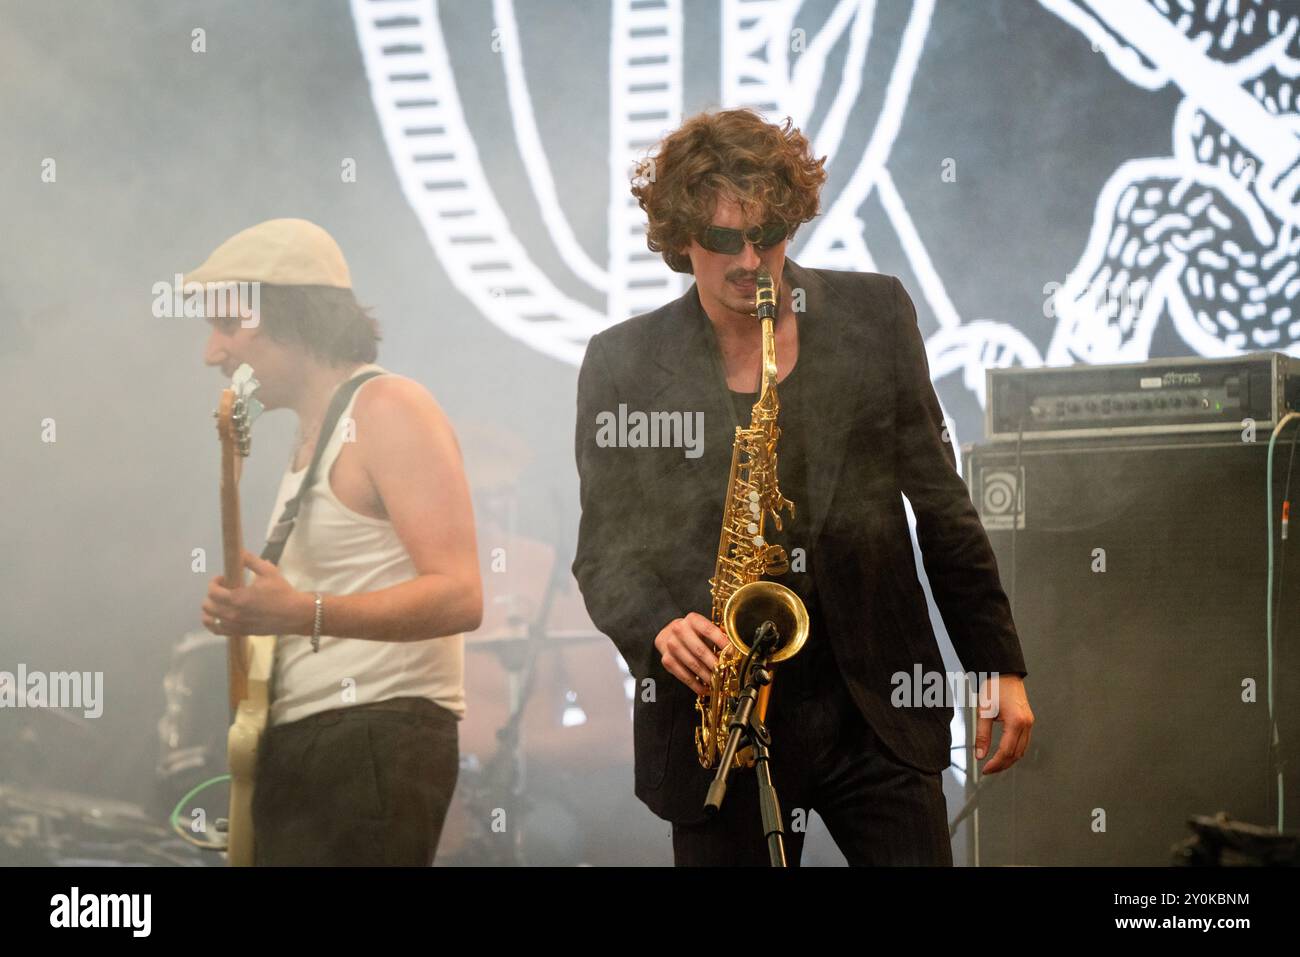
(1207, 236)
(768, 61)
(437, 162)
(757, 72)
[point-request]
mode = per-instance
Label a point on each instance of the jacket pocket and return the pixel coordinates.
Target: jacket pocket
(652, 731)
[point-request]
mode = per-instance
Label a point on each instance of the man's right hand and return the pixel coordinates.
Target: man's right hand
(687, 646)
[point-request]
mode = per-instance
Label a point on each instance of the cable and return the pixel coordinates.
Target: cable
(1018, 493)
(176, 813)
(1274, 755)
(1275, 743)
(1286, 510)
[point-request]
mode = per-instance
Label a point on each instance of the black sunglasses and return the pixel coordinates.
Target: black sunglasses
(720, 239)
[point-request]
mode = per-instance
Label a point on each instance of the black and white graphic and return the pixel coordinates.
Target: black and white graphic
(1207, 237)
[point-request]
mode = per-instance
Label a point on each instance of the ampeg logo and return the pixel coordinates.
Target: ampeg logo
(1002, 499)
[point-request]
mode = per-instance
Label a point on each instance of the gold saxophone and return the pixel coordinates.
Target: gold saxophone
(741, 601)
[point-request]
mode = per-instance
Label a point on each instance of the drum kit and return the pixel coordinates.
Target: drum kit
(548, 704)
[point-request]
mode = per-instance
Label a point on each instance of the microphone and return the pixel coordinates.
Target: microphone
(766, 638)
(765, 294)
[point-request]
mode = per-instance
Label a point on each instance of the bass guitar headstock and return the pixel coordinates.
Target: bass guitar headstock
(237, 411)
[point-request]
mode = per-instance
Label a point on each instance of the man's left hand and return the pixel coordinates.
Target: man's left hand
(268, 605)
(1017, 722)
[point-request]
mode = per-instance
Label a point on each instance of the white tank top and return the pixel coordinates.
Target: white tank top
(336, 551)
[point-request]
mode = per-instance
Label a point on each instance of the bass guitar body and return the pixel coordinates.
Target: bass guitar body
(250, 658)
(243, 743)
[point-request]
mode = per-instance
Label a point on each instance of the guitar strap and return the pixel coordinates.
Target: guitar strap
(288, 518)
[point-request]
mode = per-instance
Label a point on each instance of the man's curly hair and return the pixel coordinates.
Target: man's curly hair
(768, 169)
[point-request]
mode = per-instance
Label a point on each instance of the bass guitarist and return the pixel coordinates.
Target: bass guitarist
(376, 581)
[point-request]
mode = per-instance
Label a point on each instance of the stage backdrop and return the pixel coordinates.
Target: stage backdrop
(1053, 181)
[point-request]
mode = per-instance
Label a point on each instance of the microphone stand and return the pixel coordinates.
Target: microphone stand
(757, 675)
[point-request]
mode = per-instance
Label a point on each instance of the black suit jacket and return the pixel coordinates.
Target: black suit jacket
(651, 516)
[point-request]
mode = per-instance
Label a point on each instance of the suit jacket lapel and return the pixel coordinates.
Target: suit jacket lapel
(687, 354)
(831, 390)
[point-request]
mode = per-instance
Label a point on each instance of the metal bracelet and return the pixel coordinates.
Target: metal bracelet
(315, 629)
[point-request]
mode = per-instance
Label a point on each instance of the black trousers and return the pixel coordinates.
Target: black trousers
(826, 758)
(364, 785)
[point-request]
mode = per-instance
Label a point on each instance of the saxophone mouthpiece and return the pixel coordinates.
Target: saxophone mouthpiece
(764, 295)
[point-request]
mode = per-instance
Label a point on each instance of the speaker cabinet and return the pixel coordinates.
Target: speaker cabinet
(1137, 575)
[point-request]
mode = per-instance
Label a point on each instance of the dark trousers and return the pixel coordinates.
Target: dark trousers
(365, 785)
(825, 758)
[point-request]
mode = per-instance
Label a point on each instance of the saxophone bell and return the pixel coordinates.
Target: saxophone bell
(750, 606)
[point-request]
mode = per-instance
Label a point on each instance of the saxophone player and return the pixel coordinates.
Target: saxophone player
(860, 427)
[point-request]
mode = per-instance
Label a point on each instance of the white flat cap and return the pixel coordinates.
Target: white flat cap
(279, 252)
